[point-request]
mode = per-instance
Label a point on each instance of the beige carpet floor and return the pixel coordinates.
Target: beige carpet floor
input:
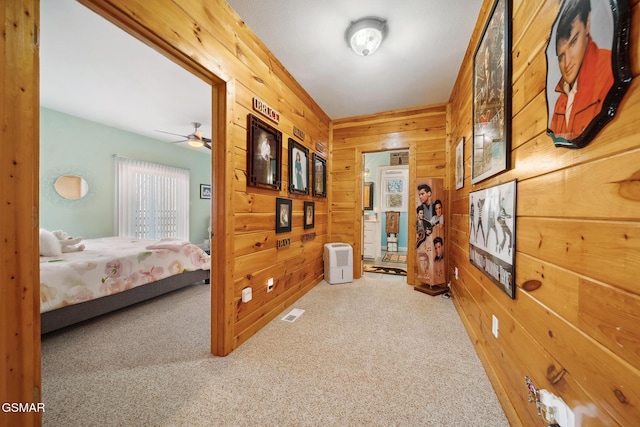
(368, 353)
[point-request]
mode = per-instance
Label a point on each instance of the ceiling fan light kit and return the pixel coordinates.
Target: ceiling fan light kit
(195, 139)
(365, 35)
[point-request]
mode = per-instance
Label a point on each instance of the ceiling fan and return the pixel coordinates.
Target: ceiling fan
(194, 139)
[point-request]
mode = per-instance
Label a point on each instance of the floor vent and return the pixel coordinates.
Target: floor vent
(293, 315)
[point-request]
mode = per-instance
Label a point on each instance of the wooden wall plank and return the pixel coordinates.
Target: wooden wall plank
(211, 40)
(576, 236)
(421, 130)
(20, 372)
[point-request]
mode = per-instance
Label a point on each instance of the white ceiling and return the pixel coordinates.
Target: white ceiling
(91, 69)
(417, 63)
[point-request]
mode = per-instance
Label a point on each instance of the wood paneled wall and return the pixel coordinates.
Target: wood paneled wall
(19, 254)
(209, 40)
(420, 130)
(577, 233)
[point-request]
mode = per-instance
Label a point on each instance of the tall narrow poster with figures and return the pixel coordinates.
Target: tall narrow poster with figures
(430, 265)
(492, 243)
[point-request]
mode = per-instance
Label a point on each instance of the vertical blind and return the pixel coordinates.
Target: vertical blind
(152, 200)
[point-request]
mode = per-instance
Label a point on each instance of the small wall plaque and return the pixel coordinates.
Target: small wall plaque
(298, 133)
(283, 243)
(262, 108)
(308, 236)
(320, 147)
(399, 159)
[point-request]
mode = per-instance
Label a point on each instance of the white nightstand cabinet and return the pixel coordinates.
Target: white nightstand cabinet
(371, 248)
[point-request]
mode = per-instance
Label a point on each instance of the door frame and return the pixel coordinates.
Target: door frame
(221, 335)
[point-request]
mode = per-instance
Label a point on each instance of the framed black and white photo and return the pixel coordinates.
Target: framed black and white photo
(588, 69)
(492, 234)
(264, 154)
(309, 214)
(490, 152)
(319, 176)
(460, 164)
(283, 215)
(298, 168)
(205, 191)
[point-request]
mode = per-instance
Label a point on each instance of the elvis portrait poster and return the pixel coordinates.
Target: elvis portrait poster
(492, 247)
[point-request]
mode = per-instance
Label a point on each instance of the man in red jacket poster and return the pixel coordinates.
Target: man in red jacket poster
(586, 72)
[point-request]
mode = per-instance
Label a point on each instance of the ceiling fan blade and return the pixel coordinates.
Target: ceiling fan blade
(206, 144)
(182, 140)
(171, 133)
(206, 140)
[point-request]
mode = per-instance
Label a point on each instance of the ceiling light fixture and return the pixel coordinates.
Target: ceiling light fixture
(365, 35)
(195, 140)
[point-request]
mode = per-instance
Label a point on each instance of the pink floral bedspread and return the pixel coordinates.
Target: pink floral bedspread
(113, 264)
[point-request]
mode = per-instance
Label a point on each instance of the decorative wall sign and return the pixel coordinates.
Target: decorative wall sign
(283, 243)
(460, 164)
(283, 215)
(298, 168)
(492, 214)
(319, 176)
(262, 108)
(264, 151)
(491, 150)
(430, 236)
(309, 215)
(321, 147)
(307, 236)
(401, 158)
(587, 61)
(297, 132)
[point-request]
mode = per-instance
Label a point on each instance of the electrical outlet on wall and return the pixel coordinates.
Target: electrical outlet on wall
(270, 284)
(494, 325)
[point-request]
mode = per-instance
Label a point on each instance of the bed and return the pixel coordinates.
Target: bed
(112, 273)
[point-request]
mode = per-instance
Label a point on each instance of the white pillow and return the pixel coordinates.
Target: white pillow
(49, 244)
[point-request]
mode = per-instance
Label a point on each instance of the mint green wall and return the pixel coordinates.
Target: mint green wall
(69, 144)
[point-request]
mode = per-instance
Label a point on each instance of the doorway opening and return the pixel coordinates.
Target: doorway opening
(386, 216)
(204, 90)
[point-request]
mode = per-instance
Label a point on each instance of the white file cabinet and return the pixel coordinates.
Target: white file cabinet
(371, 240)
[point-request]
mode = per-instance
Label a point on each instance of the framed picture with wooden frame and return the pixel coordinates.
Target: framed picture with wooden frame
(491, 143)
(460, 164)
(283, 215)
(264, 154)
(319, 176)
(309, 215)
(595, 35)
(298, 168)
(205, 191)
(367, 196)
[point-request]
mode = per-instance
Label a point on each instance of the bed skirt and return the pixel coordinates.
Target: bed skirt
(72, 314)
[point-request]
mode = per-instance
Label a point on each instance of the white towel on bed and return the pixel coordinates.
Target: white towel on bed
(167, 243)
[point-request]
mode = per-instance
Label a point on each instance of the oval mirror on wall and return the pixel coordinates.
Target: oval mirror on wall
(72, 187)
